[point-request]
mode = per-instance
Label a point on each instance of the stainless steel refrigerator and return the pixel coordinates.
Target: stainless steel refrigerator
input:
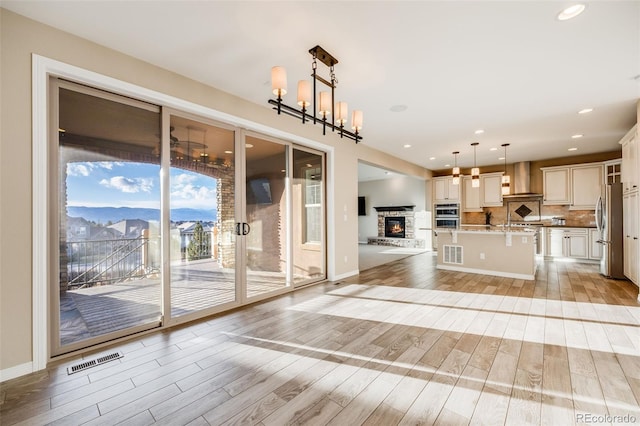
(609, 223)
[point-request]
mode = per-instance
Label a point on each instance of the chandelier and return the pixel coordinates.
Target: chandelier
(331, 115)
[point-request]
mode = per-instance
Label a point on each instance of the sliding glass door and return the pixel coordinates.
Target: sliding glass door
(265, 229)
(162, 217)
(106, 280)
(202, 216)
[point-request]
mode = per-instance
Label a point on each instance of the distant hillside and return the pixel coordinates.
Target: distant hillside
(115, 214)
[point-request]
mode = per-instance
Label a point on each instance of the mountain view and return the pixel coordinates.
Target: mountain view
(115, 214)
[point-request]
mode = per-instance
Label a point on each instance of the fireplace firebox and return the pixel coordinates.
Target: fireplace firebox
(394, 226)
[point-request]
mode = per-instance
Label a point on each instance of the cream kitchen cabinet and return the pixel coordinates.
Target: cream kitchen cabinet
(556, 185)
(595, 248)
(586, 186)
(568, 242)
(444, 190)
(491, 189)
(576, 243)
(470, 196)
(630, 161)
(577, 185)
(630, 233)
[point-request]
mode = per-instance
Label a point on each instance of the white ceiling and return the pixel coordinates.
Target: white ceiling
(508, 67)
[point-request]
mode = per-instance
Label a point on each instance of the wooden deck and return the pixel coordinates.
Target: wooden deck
(400, 344)
(94, 311)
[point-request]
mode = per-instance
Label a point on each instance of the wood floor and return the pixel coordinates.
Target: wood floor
(398, 344)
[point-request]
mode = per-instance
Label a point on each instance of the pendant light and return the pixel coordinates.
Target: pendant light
(456, 169)
(506, 179)
(475, 172)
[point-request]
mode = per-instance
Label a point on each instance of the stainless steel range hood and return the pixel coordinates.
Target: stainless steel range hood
(521, 182)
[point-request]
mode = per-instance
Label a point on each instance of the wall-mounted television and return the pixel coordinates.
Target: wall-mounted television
(259, 191)
(362, 209)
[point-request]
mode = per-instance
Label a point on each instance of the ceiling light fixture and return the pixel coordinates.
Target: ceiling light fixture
(576, 136)
(327, 105)
(585, 111)
(506, 179)
(571, 12)
(479, 132)
(406, 146)
(432, 158)
(475, 171)
(456, 170)
(572, 149)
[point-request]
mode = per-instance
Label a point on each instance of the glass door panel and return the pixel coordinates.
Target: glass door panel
(266, 213)
(108, 196)
(202, 216)
(308, 217)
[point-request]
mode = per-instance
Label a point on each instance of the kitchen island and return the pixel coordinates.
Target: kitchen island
(489, 250)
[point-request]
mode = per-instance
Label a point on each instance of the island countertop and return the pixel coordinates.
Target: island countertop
(489, 229)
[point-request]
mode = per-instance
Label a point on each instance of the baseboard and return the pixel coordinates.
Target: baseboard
(16, 371)
(484, 272)
(345, 275)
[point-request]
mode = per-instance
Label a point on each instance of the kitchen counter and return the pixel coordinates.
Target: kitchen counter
(489, 250)
(489, 229)
(570, 226)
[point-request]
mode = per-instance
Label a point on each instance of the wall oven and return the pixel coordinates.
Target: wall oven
(447, 215)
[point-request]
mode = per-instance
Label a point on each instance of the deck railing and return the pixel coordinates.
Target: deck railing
(107, 261)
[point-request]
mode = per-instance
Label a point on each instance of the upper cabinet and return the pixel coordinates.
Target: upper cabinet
(578, 186)
(586, 186)
(555, 181)
(491, 185)
(630, 161)
(444, 191)
(470, 196)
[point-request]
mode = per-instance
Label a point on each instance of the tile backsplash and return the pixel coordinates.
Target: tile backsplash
(499, 216)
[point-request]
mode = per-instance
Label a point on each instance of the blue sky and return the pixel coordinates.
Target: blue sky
(123, 184)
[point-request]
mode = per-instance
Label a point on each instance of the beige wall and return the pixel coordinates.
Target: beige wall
(20, 38)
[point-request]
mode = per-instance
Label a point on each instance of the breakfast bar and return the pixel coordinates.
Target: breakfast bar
(490, 250)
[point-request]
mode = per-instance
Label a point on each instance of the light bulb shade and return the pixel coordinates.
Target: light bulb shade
(325, 103)
(456, 176)
(506, 185)
(341, 113)
(304, 93)
(356, 120)
(475, 177)
(279, 81)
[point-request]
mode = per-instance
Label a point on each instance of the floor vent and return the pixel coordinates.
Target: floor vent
(93, 362)
(452, 254)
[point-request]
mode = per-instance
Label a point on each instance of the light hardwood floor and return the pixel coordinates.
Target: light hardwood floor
(402, 343)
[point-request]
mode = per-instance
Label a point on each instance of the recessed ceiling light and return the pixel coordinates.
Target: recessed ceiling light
(493, 149)
(447, 165)
(585, 111)
(228, 152)
(248, 145)
(572, 149)
(500, 158)
(479, 132)
(398, 108)
(406, 145)
(576, 136)
(432, 158)
(571, 12)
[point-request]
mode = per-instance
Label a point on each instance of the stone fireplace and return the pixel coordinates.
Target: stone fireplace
(396, 227)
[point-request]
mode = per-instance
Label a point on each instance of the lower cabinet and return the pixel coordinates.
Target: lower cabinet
(630, 232)
(571, 242)
(595, 248)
